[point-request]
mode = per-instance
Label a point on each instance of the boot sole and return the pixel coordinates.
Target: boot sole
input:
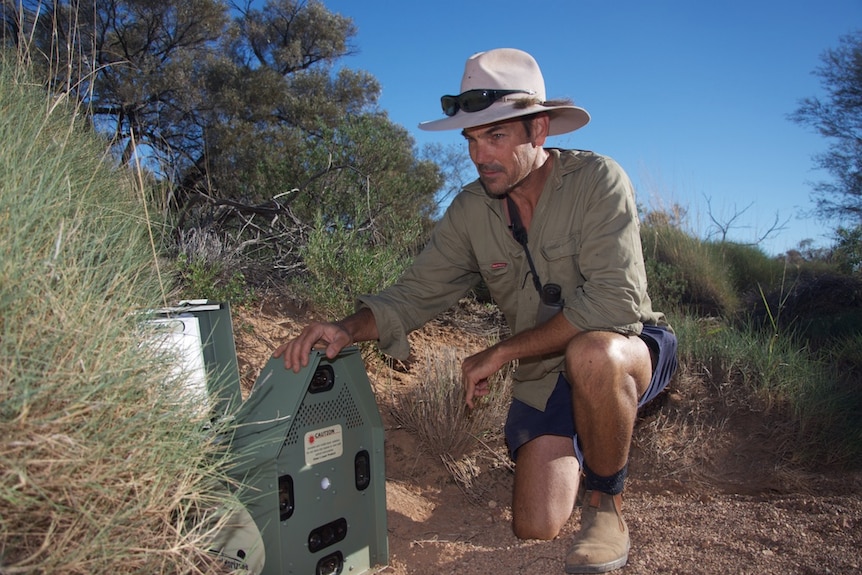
(601, 568)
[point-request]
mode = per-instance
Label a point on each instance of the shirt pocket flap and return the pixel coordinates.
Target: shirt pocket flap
(560, 248)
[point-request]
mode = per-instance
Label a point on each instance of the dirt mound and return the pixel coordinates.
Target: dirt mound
(711, 489)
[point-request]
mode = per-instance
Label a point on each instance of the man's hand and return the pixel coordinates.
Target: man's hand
(475, 371)
(550, 337)
(332, 336)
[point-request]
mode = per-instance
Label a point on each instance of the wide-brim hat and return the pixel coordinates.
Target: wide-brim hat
(509, 69)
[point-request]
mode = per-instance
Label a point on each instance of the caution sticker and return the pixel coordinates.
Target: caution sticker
(323, 444)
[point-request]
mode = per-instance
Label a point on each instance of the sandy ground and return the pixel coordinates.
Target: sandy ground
(711, 489)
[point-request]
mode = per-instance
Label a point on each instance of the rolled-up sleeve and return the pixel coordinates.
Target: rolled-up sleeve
(440, 275)
(610, 260)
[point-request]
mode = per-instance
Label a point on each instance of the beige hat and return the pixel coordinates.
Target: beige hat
(493, 81)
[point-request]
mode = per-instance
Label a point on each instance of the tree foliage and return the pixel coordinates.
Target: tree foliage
(839, 117)
(240, 110)
(847, 251)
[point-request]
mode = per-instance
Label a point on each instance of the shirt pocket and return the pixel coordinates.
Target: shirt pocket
(560, 264)
(557, 251)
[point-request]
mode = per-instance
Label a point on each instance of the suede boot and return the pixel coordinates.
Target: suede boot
(603, 542)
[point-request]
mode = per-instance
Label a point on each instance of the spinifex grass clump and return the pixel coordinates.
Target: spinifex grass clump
(435, 412)
(101, 463)
(687, 273)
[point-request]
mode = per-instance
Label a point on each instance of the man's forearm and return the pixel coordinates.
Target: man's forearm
(361, 326)
(548, 338)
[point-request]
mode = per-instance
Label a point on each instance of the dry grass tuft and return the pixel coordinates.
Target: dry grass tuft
(435, 412)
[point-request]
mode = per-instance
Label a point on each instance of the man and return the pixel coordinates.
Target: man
(537, 216)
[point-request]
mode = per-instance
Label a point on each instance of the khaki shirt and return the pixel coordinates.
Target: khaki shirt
(584, 236)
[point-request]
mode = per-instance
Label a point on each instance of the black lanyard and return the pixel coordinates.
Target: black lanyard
(520, 234)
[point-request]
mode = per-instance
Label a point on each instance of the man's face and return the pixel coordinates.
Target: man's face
(503, 153)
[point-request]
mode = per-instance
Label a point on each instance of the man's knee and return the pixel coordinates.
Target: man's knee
(592, 346)
(525, 530)
(543, 519)
(596, 358)
(593, 352)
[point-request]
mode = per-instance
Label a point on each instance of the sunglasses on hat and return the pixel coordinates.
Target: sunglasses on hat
(475, 100)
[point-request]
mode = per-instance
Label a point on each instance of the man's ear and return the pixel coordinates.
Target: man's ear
(541, 127)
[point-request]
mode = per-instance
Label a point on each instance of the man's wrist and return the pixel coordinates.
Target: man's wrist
(360, 326)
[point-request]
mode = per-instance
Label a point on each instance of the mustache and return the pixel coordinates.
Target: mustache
(489, 167)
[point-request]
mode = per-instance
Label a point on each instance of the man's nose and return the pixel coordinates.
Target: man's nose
(481, 154)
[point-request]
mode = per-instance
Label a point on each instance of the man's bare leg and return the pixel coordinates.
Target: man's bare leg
(546, 485)
(608, 373)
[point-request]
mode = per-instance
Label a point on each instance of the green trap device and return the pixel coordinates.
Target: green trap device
(308, 453)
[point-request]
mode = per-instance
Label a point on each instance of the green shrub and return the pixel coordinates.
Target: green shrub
(101, 461)
(847, 253)
(342, 264)
(667, 288)
(201, 279)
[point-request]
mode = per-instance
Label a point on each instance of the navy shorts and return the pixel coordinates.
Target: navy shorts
(525, 422)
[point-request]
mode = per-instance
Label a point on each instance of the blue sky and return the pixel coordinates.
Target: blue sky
(691, 97)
